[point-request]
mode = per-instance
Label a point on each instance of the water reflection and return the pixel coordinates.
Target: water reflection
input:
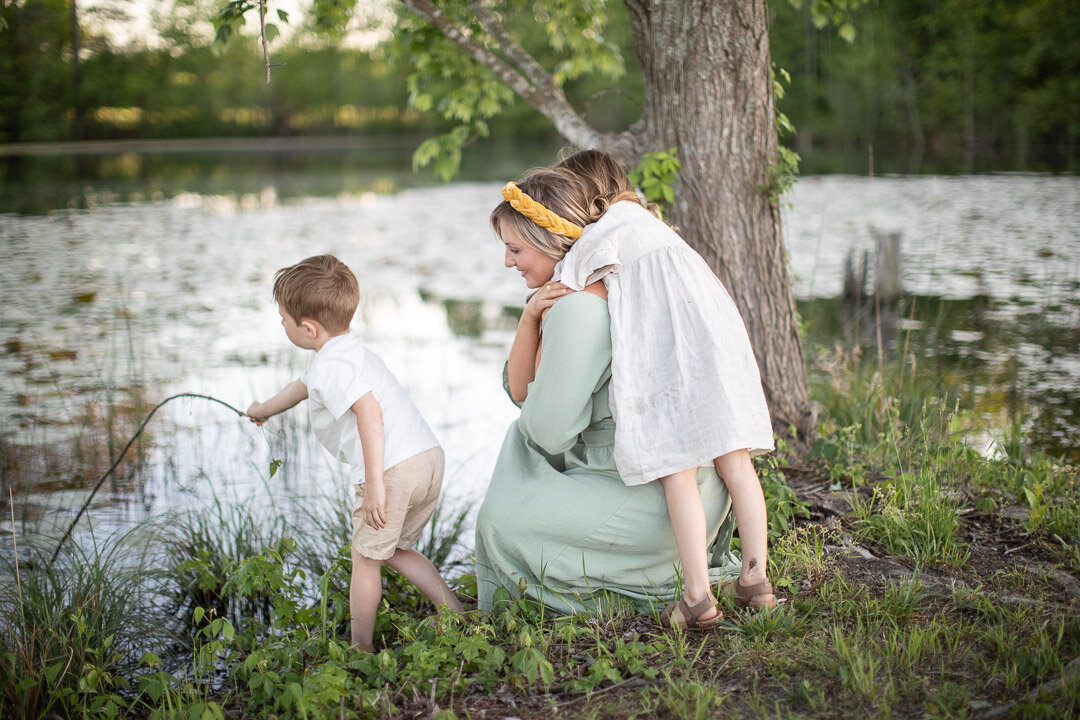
(1011, 371)
(110, 309)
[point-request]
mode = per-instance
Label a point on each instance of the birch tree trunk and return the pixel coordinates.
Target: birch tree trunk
(708, 92)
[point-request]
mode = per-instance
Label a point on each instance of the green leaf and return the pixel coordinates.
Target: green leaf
(421, 102)
(52, 671)
(847, 32)
(152, 686)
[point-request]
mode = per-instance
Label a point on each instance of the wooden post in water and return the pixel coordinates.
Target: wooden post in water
(887, 284)
(888, 289)
(854, 294)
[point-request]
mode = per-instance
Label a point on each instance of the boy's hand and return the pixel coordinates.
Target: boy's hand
(542, 300)
(374, 507)
(256, 413)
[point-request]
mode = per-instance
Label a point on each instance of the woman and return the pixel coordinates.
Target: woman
(557, 523)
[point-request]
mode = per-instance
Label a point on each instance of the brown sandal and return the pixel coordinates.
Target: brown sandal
(744, 594)
(679, 614)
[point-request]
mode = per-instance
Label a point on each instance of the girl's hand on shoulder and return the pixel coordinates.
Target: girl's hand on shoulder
(544, 298)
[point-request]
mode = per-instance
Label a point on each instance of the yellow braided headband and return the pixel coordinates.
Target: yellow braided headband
(538, 213)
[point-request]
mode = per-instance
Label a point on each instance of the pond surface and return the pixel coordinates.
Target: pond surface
(110, 309)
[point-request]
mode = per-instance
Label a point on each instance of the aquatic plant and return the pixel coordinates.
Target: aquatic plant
(72, 630)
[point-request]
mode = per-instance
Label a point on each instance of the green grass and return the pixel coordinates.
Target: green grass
(942, 584)
(72, 631)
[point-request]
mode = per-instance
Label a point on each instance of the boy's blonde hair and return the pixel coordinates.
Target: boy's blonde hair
(320, 288)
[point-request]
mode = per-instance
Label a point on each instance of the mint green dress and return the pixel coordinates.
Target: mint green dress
(557, 523)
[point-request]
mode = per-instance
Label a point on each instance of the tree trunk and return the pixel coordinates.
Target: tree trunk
(709, 93)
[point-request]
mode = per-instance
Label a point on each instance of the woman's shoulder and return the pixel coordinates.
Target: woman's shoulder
(576, 308)
(594, 301)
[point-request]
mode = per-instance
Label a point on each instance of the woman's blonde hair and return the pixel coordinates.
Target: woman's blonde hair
(560, 191)
(319, 288)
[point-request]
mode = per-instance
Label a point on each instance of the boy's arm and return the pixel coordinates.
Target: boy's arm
(369, 422)
(525, 350)
(288, 397)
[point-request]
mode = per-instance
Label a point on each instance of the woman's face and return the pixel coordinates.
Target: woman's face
(536, 267)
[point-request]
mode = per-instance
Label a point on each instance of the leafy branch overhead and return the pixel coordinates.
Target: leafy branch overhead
(231, 17)
(837, 13)
(468, 66)
(464, 54)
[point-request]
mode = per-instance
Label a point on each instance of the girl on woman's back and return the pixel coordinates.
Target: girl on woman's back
(685, 389)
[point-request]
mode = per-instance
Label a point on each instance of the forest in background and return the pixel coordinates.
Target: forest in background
(910, 86)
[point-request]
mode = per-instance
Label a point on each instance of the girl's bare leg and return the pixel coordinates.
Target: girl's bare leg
(737, 471)
(418, 570)
(688, 523)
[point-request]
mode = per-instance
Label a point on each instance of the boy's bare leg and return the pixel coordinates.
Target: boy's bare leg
(365, 592)
(688, 523)
(418, 570)
(748, 501)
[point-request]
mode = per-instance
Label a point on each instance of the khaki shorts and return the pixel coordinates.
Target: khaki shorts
(412, 489)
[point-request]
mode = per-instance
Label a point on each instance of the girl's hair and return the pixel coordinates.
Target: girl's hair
(560, 191)
(320, 288)
(605, 177)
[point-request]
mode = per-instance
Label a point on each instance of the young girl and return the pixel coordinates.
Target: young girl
(685, 389)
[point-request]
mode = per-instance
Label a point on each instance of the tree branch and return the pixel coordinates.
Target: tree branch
(262, 34)
(526, 64)
(549, 100)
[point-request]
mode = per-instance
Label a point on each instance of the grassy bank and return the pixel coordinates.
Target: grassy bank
(921, 578)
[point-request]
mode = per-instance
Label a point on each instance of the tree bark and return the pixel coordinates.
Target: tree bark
(709, 93)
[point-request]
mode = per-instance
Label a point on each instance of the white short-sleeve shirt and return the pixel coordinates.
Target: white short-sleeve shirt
(343, 371)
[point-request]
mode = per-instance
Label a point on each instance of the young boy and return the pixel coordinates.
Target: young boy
(362, 415)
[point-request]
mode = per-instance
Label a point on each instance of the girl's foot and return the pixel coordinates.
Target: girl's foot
(755, 596)
(697, 617)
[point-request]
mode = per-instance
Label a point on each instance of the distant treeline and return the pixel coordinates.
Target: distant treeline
(926, 85)
(955, 85)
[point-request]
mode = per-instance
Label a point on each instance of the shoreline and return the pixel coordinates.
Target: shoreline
(217, 144)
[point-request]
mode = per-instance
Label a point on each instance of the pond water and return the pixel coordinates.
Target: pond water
(148, 292)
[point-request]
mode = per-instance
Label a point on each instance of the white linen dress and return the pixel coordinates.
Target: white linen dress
(685, 386)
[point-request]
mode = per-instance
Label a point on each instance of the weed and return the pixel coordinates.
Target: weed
(70, 628)
(691, 699)
(765, 626)
(862, 667)
(782, 505)
(912, 515)
(800, 554)
(203, 552)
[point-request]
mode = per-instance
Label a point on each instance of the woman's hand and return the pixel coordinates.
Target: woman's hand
(542, 300)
